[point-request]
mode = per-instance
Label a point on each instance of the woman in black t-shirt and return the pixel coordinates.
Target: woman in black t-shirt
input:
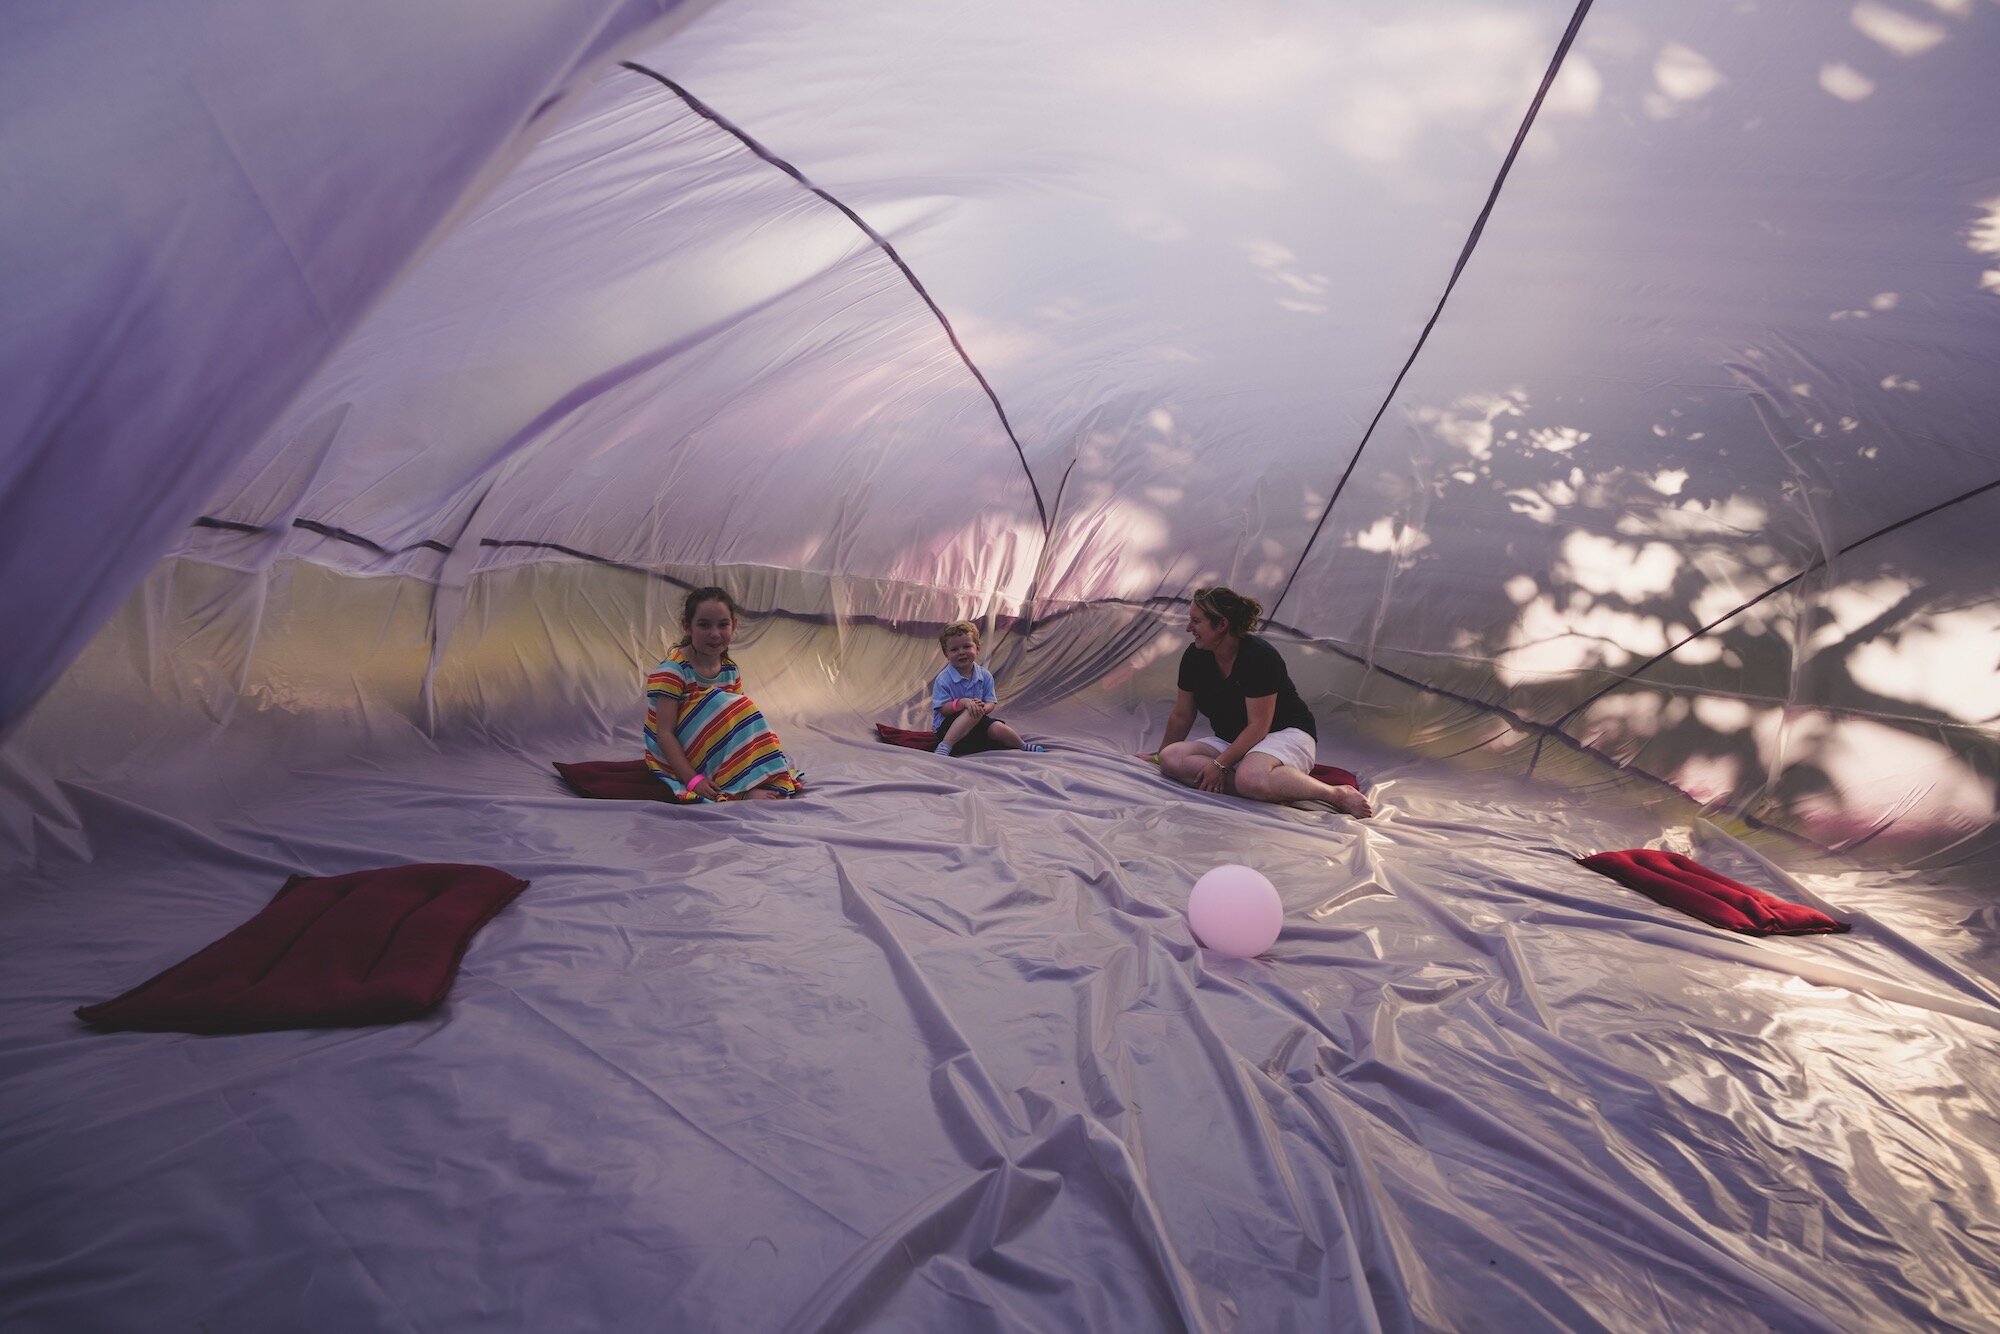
(1262, 736)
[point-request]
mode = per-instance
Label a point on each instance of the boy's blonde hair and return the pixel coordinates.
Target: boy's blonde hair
(955, 629)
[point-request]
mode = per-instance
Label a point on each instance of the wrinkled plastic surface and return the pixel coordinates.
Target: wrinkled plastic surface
(473, 349)
(204, 198)
(933, 1047)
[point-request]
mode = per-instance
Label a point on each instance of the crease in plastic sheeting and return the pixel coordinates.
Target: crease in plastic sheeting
(651, 1091)
(881, 243)
(1261, 1103)
(968, 1222)
(961, 1082)
(1353, 1214)
(957, 1076)
(288, 477)
(986, 1131)
(1672, 1233)
(385, 1296)
(261, 192)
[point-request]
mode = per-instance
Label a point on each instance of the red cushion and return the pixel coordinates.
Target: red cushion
(903, 736)
(614, 780)
(1683, 883)
(369, 947)
(1335, 776)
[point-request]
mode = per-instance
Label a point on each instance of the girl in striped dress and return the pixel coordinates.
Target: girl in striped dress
(704, 738)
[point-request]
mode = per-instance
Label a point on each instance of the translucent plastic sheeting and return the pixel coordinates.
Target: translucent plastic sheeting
(203, 198)
(1157, 259)
(1677, 376)
(932, 1047)
(1694, 468)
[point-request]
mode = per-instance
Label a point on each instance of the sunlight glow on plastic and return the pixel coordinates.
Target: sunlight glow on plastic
(1235, 911)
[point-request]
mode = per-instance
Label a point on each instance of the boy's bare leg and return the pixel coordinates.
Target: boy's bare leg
(1262, 778)
(962, 723)
(1004, 737)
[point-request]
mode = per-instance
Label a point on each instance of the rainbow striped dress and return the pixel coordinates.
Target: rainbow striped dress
(720, 731)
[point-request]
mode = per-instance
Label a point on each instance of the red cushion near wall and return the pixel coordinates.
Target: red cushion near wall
(1683, 883)
(369, 947)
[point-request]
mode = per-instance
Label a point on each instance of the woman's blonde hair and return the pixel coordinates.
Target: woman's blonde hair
(1230, 607)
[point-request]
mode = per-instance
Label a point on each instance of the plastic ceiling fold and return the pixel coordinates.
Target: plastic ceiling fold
(1691, 467)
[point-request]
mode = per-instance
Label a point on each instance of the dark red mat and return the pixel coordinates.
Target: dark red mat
(1683, 883)
(614, 780)
(369, 947)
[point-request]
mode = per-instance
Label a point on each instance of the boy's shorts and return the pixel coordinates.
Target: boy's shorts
(1293, 747)
(972, 742)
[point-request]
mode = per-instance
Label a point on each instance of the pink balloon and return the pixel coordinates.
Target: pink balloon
(1235, 911)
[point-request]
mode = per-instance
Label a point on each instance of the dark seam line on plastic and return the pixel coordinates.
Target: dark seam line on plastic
(1818, 563)
(708, 113)
(580, 555)
(1026, 620)
(341, 534)
(323, 530)
(1541, 730)
(1551, 731)
(1464, 256)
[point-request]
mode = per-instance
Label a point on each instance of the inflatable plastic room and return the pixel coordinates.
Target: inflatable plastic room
(1600, 400)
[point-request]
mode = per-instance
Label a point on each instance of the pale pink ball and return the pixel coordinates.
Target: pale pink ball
(1235, 911)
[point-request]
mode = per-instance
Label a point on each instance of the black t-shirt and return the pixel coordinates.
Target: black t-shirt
(1259, 671)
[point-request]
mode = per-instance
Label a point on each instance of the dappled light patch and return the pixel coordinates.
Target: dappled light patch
(1948, 661)
(1895, 29)
(1684, 75)
(1414, 78)
(1387, 535)
(1845, 82)
(1983, 237)
(1601, 565)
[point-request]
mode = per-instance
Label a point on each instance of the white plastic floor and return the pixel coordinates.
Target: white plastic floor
(932, 1048)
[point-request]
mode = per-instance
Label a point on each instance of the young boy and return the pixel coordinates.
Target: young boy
(963, 699)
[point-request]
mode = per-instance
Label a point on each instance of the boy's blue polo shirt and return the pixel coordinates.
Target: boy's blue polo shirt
(948, 685)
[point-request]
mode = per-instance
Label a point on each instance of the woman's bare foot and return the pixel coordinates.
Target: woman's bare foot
(1349, 801)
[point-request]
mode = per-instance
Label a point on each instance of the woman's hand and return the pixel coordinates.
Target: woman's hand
(1213, 777)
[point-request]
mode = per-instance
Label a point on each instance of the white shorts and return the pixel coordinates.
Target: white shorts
(1294, 748)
